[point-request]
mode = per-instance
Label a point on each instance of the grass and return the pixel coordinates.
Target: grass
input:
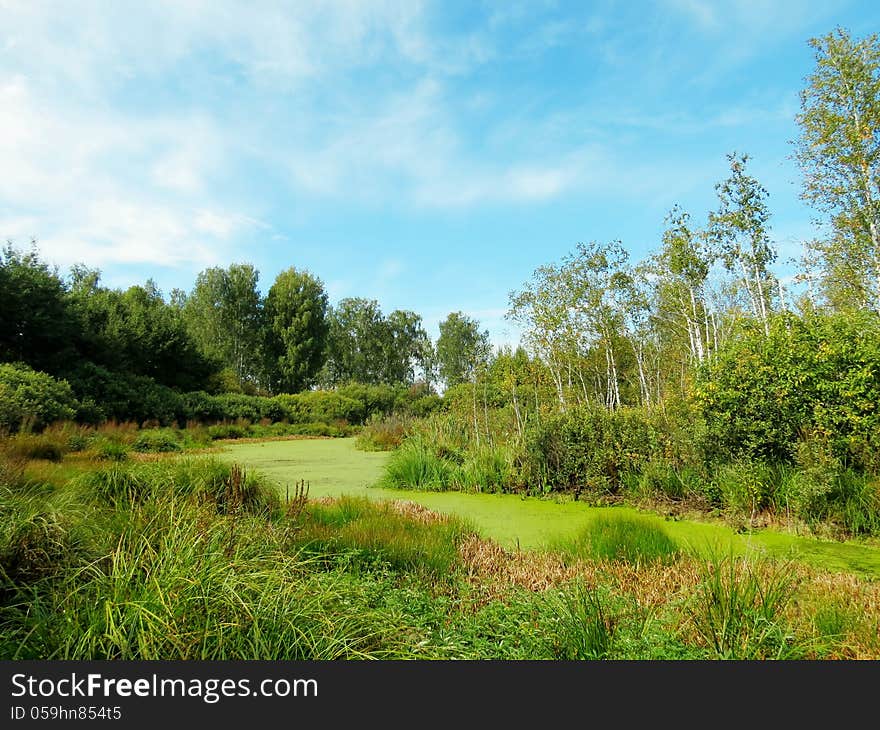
(738, 609)
(194, 558)
(336, 468)
(365, 532)
(634, 540)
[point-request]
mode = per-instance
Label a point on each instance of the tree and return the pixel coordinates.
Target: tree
(739, 230)
(461, 349)
(839, 155)
(356, 343)
(223, 314)
(296, 328)
(408, 348)
(35, 323)
(680, 272)
(135, 332)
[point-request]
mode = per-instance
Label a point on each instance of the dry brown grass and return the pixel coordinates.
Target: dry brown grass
(856, 598)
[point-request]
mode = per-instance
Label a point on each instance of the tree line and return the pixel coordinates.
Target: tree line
(222, 336)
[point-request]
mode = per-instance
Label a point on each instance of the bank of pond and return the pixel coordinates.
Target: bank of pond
(334, 468)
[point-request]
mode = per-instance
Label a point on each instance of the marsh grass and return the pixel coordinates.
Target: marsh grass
(191, 558)
(368, 533)
(738, 608)
(179, 584)
(415, 465)
(422, 465)
(585, 626)
(616, 537)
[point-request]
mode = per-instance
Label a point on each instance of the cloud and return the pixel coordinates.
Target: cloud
(95, 187)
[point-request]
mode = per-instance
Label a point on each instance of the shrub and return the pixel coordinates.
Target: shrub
(382, 434)
(161, 440)
(814, 374)
(110, 449)
(32, 398)
(590, 448)
(746, 487)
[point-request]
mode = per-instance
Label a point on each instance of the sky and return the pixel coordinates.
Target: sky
(429, 155)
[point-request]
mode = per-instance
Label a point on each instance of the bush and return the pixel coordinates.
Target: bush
(122, 396)
(746, 487)
(29, 398)
(589, 448)
(382, 434)
(415, 465)
(818, 374)
(110, 449)
(161, 440)
(321, 405)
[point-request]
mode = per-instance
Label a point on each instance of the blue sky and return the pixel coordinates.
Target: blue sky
(429, 155)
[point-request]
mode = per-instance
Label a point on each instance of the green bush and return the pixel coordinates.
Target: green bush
(29, 398)
(746, 487)
(157, 440)
(415, 465)
(110, 449)
(589, 448)
(818, 374)
(125, 397)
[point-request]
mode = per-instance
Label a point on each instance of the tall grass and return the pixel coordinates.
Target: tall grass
(383, 433)
(738, 608)
(628, 539)
(584, 627)
(370, 533)
(181, 584)
(415, 466)
(420, 464)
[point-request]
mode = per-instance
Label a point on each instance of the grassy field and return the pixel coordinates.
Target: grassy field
(185, 556)
(333, 468)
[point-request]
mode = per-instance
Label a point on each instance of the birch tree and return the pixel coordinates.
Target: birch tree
(839, 156)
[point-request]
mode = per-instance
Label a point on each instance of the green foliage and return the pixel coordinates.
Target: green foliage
(110, 449)
(120, 396)
(461, 349)
(584, 626)
(368, 533)
(382, 434)
(415, 466)
(157, 440)
(816, 375)
(295, 332)
(590, 448)
(135, 332)
(839, 155)
(35, 327)
(367, 347)
(746, 487)
(223, 316)
(32, 399)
